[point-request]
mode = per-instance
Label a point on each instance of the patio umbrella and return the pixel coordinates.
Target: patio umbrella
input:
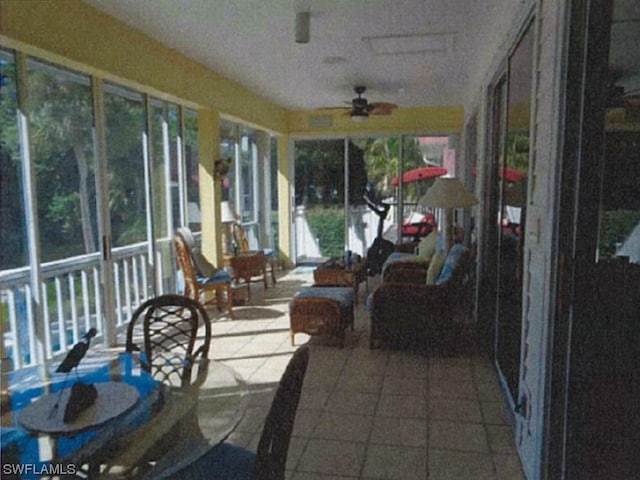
(418, 174)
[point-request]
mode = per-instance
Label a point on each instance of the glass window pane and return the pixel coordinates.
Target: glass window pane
(175, 142)
(13, 241)
(619, 232)
(160, 147)
(248, 161)
(319, 199)
(124, 111)
(61, 121)
(192, 160)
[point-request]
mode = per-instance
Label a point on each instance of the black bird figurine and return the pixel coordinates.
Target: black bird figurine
(70, 362)
(77, 353)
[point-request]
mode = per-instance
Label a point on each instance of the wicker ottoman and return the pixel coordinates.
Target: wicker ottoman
(321, 311)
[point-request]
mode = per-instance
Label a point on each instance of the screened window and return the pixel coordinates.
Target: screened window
(13, 241)
(61, 120)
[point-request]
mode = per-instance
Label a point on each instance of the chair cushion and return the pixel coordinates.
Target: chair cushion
(224, 462)
(203, 266)
(427, 246)
(220, 276)
(453, 261)
(343, 295)
(435, 267)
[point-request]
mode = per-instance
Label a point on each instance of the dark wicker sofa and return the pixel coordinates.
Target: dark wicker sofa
(406, 312)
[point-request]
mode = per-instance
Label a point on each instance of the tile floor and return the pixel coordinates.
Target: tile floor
(368, 414)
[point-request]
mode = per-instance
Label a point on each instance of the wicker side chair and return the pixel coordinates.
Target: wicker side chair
(196, 285)
(249, 267)
(270, 259)
(169, 327)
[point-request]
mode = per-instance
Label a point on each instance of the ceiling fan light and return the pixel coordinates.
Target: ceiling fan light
(303, 27)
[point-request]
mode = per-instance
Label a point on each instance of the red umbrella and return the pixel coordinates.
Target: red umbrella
(510, 174)
(418, 174)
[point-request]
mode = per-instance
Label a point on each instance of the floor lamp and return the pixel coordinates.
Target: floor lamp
(448, 193)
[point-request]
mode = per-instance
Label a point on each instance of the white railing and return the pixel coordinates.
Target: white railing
(72, 301)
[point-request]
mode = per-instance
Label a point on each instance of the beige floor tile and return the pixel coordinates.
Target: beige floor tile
(296, 448)
(332, 457)
(508, 467)
(405, 406)
(350, 428)
(451, 372)
(455, 410)
(351, 402)
(495, 413)
(501, 439)
(368, 414)
(443, 388)
(395, 385)
(349, 382)
(313, 398)
(315, 476)
(470, 437)
(489, 392)
(395, 462)
(306, 421)
(450, 465)
(407, 365)
(408, 432)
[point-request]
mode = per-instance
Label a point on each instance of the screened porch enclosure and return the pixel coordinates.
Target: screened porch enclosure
(332, 175)
(95, 178)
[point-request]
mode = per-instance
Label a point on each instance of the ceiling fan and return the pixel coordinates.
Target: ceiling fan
(361, 108)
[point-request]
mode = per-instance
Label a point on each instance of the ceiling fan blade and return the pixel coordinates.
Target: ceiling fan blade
(381, 108)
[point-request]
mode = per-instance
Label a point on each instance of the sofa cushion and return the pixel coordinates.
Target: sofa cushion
(433, 273)
(427, 246)
(453, 261)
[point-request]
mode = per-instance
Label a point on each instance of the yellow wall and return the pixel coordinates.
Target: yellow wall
(74, 34)
(403, 120)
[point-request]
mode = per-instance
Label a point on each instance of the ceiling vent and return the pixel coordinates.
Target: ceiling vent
(412, 44)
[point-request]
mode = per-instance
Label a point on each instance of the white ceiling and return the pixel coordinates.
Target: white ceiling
(252, 42)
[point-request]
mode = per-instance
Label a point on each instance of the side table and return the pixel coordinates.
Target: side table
(334, 274)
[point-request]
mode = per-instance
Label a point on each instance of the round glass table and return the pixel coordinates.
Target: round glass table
(133, 422)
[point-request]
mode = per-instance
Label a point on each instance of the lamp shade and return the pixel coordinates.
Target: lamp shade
(447, 192)
(227, 215)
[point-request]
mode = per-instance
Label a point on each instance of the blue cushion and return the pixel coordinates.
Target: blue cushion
(223, 462)
(452, 262)
(219, 277)
(343, 295)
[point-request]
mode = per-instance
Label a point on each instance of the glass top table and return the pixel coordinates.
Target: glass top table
(133, 419)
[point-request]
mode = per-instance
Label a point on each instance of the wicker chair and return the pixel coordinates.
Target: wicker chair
(270, 262)
(249, 267)
(197, 285)
(169, 325)
(268, 463)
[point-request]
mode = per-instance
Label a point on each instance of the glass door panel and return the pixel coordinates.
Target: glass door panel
(60, 132)
(128, 186)
(512, 178)
(319, 214)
